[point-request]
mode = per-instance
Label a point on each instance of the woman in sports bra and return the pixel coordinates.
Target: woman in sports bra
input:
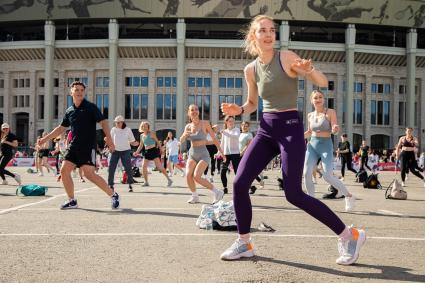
(199, 158)
(322, 123)
(406, 154)
(151, 143)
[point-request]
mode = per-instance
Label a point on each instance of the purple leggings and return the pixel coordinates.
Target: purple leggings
(279, 132)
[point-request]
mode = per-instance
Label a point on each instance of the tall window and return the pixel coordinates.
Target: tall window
(199, 89)
(358, 87)
(102, 81)
(401, 113)
(102, 102)
(56, 105)
(301, 84)
(230, 82)
(136, 81)
(380, 112)
(69, 101)
(330, 103)
(84, 80)
(41, 107)
(136, 106)
(237, 99)
(204, 104)
(165, 106)
(358, 111)
(1, 101)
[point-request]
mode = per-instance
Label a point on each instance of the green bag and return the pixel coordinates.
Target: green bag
(31, 190)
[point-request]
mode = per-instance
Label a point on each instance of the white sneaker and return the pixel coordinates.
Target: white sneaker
(218, 196)
(349, 250)
(170, 174)
(341, 179)
(350, 202)
(193, 199)
(18, 179)
(402, 184)
(237, 250)
(4, 182)
(40, 174)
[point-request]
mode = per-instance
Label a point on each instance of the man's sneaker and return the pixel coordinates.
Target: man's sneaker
(349, 250)
(237, 250)
(332, 193)
(193, 199)
(18, 179)
(40, 174)
(403, 184)
(115, 201)
(170, 182)
(341, 179)
(252, 190)
(218, 196)
(4, 182)
(350, 203)
(130, 189)
(145, 184)
(69, 204)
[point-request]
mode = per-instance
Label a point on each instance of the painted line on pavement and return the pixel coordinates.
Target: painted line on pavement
(195, 235)
(383, 211)
(38, 202)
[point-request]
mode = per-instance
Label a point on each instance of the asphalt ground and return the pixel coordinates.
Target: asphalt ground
(153, 237)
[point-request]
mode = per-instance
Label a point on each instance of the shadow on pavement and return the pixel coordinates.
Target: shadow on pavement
(386, 272)
(131, 211)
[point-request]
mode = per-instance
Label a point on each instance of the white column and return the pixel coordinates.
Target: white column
(350, 41)
(113, 61)
(32, 112)
(214, 96)
(395, 111)
(180, 115)
(366, 110)
(151, 97)
(62, 95)
(7, 97)
(49, 46)
(340, 102)
(284, 35)
(412, 37)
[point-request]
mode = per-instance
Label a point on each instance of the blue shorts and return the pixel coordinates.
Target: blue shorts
(173, 158)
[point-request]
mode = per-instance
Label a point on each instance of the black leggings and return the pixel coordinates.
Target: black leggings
(4, 159)
(235, 158)
(408, 163)
(363, 162)
(346, 160)
(212, 150)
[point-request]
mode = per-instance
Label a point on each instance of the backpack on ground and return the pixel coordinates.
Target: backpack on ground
(31, 190)
(395, 191)
(136, 171)
(124, 179)
(372, 182)
(361, 176)
(222, 215)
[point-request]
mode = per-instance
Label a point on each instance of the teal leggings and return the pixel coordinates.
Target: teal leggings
(321, 148)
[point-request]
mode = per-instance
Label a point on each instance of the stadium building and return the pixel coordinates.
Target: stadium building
(148, 60)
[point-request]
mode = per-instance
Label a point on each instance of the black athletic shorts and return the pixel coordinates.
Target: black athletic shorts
(152, 153)
(81, 156)
(43, 153)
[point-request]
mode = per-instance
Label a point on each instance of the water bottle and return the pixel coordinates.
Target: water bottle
(209, 221)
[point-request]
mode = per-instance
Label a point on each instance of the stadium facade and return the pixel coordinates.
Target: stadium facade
(147, 60)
